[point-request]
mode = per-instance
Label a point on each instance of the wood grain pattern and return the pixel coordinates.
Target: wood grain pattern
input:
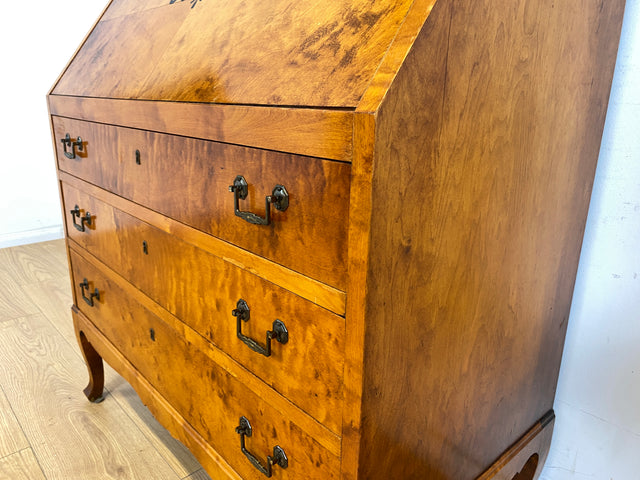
(166, 359)
(172, 451)
(53, 298)
(323, 295)
(361, 206)
(473, 128)
(79, 47)
(21, 465)
(308, 369)
(199, 475)
(395, 56)
(108, 64)
(304, 131)
(278, 53)
(12, 437)
(34, 263)
(320, 433)
(524, 460)
(122, 8)
(160, 408)
(482, 233)
(188, 180)
(94, 391)
(24, 266)
(42, 373)
(398, 438)
(13, 303)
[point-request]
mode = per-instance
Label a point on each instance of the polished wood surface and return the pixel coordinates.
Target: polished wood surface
(188, 180)
(307, 369)
(165, 360)
(94, 390)
(278, 53)
(522, 460)
(121, 8)
(319, 432)
(305, 131)
(441, 154)
(161, 409)
(392, 61)
(361, 206)
(107, 64)
(310, 289)
(492, 202)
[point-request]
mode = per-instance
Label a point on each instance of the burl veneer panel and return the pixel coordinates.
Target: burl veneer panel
(281, 52)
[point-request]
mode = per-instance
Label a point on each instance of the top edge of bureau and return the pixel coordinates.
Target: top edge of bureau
(315, 132)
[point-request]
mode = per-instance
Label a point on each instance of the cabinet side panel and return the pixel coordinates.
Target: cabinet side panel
(486, 147)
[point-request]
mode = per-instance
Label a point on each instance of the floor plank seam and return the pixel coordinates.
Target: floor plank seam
(149, 439)
(17, 420)
(55, 326)
(37, 459)
(45, 306)
(16, 452)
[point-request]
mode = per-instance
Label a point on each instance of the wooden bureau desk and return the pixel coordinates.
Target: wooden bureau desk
(337, 239)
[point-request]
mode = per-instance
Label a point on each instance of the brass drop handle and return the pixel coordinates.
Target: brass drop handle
(279, 198)
(95, 294)
(72, 144)
(279, 332)
(85, 219)
(279, 457)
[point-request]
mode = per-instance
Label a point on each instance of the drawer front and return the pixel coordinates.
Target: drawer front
(209, 398)
(188, 180)
(204, 290)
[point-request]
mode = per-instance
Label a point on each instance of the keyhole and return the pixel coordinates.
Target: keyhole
(152, 334)
(138, 157)
(145, 247)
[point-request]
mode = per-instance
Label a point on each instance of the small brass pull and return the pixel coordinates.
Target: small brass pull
(279, 198)
(86, 219)
(95, 294)
(279, 332)
(278, 458)
(67, 142)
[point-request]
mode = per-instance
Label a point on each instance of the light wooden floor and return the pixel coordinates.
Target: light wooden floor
(48, 430)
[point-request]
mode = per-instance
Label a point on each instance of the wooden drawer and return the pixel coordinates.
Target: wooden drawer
(188, 180)
(203, 291)
(189, 378)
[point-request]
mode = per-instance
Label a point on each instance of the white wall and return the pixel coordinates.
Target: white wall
(597, 434)
(36, 40)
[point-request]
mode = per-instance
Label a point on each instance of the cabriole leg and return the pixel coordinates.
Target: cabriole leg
(95, 388)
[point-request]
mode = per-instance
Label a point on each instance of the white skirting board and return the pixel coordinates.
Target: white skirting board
(31, 236)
